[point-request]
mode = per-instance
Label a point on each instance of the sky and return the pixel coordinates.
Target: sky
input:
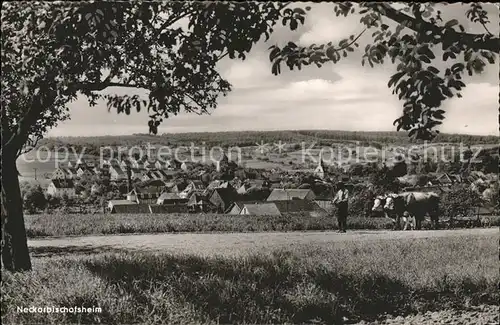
(342, 96)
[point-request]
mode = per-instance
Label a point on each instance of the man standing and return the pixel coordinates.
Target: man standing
(341, 202)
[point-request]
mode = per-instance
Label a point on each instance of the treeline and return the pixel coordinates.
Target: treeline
(251, 138)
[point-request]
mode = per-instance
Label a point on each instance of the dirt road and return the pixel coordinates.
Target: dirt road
(227, 243)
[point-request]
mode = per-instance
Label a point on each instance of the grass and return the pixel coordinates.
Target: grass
(104, 224)
(87, 224)
(358, 280)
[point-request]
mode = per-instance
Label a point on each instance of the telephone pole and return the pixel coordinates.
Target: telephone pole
(35, 172)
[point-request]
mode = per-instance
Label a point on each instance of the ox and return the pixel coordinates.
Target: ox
(417, 204)
(391, 206)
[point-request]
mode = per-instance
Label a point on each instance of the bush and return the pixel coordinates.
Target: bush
(459, 202)
(34, 199)
(361, 202)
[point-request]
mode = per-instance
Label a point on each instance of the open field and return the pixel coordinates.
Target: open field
(91, 224)
(46, 225)
(315, 280)
(249, 138)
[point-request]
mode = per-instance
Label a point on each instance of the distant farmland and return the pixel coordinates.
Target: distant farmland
(251, 138)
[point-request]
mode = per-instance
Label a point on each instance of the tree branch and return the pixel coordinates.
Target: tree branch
(20, 135)
(474, 41)
(103, 85)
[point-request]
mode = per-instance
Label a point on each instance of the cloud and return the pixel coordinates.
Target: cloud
(323, 26)
(343, 96)
(475, 113)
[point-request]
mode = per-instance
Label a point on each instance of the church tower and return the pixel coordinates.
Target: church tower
(322, 169)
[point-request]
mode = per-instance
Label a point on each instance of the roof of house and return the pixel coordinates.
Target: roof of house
(226, 194)
(197, 198)
(293, 206)
(169, 197)
(288, 194)
(121, 202)
(153, 183)
(63, 183)
(447, 178)
(142, 159)
(198, 184)
(257, 182)
(86, 169)
(246, 186)
(262, 209)
(117, 169)
(130, 208)
(240, 204)
(167, 208)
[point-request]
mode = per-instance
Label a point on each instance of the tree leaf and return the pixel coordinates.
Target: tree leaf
(451, 23)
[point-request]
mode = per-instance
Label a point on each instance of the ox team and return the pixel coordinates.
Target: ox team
(409, 208)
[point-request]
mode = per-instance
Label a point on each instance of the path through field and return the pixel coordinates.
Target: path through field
(227, 243)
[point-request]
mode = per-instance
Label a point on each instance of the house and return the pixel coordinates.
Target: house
(60, 187)
(101, 171)
(163, 175)
(276, 186)
(273, 178)
(222, 198)
(168, 208)
(219, 184)
(448, 179)
(194, 185)
(260, 209)
(125, 206)
(300, 206)
(71, 172)
(83, 162)
(476, 177)
(198, 202)
(160, 174)
(139, 162)
(84, 172)
(116, 173)
(161, 164)
(157, 184)
(95, 188)
(243, 189)
(136, 173)
(291, 194)
(185, 166)
(324, 200)
(147, 177)
(170, 198)
(147, 195)
(124, 163)
(435, 188)
(236, 183)
(149, 165)
(259, 183)
(61, 173)
(236, 207)
(176, 188)
(174, 164)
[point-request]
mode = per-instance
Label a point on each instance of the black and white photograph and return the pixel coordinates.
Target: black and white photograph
(225, 162)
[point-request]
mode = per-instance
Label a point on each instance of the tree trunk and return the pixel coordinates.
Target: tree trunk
(15, 253)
